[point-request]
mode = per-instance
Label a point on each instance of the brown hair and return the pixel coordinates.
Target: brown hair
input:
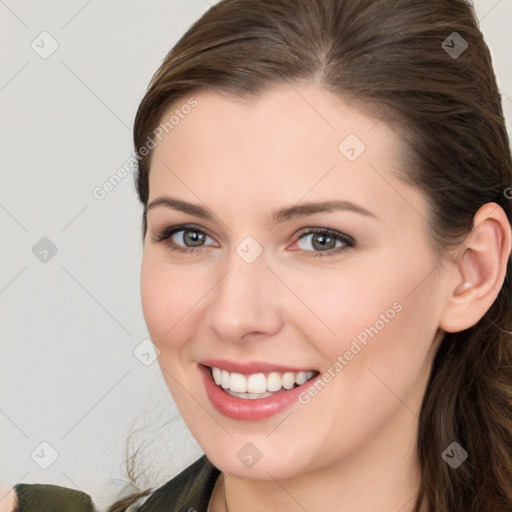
(388, 56)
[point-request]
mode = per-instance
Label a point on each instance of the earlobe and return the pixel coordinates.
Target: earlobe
(480, 269)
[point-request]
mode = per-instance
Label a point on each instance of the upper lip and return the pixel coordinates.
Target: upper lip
(252, 367)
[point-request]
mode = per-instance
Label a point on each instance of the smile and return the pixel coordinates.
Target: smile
(253, 392)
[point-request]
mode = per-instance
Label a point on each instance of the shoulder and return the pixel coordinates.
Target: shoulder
(51, 498)
(190, 489)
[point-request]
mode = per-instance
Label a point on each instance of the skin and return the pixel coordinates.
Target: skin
(8, 502)
(352, 447)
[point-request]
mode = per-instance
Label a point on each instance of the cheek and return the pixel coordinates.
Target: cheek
(167, 297)
(379, 355)
(384, 311)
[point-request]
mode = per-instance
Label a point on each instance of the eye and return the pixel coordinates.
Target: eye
(324, 242)
(191, 237)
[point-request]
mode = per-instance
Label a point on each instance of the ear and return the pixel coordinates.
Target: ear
(479, 269)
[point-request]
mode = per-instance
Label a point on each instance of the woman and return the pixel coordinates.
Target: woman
(326, 269)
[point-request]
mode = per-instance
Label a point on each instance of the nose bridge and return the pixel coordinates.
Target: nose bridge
(242, 300)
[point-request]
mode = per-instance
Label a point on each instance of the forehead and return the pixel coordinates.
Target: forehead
(286, 116)
(291, 142)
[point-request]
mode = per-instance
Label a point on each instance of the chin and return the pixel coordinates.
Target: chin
(256, 460)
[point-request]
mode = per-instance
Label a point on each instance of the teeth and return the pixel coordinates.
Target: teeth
(301, 378)
(217, 376)
(258, 385)
(288, 380)
(250, 396)
(225, 379)
(238, 383)
(274, 381)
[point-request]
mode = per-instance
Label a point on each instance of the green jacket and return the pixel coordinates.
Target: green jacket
(190, 491)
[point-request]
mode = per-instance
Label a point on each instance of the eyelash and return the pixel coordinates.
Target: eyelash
(167, 233)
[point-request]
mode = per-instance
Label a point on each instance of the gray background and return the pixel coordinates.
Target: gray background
(72, 320)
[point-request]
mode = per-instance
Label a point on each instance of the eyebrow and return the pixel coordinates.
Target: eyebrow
(278, 216)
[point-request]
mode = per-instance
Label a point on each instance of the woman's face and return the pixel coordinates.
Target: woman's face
(350, 295)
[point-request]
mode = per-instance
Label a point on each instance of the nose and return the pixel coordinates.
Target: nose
(244, 304)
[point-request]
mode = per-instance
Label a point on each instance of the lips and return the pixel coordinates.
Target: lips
(253, 391)
(252, 367)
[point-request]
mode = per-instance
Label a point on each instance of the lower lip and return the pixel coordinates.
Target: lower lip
(245, 408)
